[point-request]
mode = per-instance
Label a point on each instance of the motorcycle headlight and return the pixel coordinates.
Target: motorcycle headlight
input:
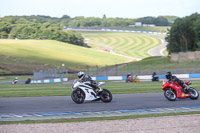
(163, 83)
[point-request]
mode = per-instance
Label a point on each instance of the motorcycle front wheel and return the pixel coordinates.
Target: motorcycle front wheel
(106, 96)
(78, 96)
(194, 94)
(170, 94)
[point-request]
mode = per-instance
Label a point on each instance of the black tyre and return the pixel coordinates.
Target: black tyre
(194, 94)
(78, 96)
(170, 94)
(106, 96)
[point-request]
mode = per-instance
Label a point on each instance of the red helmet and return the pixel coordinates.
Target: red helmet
(188, 82)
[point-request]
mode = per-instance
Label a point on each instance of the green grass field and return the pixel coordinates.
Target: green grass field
(35, 90)
(29, 55)
(25, 56)
(165, 52)
(162, 64)
(10, 78)
(129, 44)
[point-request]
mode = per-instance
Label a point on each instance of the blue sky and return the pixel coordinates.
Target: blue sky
(96, 8)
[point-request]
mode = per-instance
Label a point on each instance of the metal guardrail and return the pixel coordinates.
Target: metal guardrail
(160, 69)
(50, 74)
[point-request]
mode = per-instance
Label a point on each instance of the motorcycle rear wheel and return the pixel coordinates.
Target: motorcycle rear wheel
(194, 94)
(106, 96)
(78, 96)
(170, 94)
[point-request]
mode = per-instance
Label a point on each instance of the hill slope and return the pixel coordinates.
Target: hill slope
(30, 55)
(129, 44)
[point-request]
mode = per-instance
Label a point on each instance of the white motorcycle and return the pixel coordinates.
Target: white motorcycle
(82, 91)
(15, 81)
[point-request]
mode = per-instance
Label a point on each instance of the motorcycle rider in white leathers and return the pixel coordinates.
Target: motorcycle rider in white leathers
(86, 78)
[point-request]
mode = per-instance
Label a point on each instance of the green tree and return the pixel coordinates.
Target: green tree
(196, 28)
(161, 21)
(65, 17)
(104, 16)
(5, 27)
(184, 34)
(147, 20)
(74, 38)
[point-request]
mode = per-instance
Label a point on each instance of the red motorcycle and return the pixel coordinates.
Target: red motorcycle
(172, 91)
(129, 79)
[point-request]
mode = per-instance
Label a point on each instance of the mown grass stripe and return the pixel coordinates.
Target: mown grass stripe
(127, 45)
(131, 44)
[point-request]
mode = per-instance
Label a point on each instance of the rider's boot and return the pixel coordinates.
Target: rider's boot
(186, 90)
(182, 89)
(97, 91)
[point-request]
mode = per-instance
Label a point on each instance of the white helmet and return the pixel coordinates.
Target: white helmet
(81, 74)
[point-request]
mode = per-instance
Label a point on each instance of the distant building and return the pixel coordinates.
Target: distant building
(131, 26)
(138, 24)
(148, 25)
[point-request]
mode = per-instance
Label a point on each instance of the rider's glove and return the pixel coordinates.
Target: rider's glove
(186, 86)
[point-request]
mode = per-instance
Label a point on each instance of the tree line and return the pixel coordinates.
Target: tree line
(115, 22)
(184, 35)
(81, 21)
(12, 27)
(46, 27)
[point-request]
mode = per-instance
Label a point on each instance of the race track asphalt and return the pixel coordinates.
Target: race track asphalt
(20, 105)
(157, 50)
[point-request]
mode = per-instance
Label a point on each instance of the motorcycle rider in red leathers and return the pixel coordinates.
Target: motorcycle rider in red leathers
(175, 79)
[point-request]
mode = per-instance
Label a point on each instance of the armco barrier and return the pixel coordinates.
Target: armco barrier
(195, 75)
(148, 77)
(141, 77)
(50, 80)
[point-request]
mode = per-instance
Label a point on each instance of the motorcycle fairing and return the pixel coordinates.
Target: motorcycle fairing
(177, 88)
(89, 92)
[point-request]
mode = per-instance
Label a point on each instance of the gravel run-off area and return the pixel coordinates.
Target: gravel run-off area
(166, 124)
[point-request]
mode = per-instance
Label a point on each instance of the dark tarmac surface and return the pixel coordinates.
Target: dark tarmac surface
(47, 104)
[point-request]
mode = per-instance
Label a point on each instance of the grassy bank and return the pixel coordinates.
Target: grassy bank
(129, 44)
(25, 56)
(160, 65)
(28, 55)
